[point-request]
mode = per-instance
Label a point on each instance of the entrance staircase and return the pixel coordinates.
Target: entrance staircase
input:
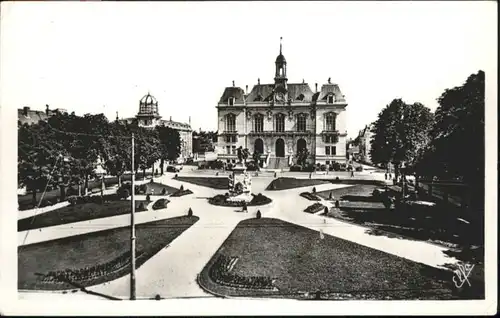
(277, 163)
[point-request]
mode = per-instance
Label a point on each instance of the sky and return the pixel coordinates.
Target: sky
(91, 57)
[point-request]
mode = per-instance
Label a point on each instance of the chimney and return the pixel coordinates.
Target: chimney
(258, 81)
(189, 120)
(170, 118)
(47, 110)
(316, 87)
(26, 110)
(246, 89)
(233, 83)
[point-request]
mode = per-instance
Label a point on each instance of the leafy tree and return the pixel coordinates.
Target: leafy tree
(400, 132)
(457, 147)
(302, 156)
(256, 157)
(243, 154)
(170, 144)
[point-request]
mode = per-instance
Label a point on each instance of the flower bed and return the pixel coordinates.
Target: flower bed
(160, 204)
(316, 207)
(222, 200)
(309, 196)
(181, 193)
(78, 212)
(220, 273)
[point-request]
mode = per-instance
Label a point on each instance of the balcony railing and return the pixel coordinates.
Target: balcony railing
(229, 132)
(280, 133)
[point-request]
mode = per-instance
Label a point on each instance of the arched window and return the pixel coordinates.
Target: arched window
(230, 122)
(258, 123)
(279, 124)
(231, 101)
(301, 122)
(330, 121)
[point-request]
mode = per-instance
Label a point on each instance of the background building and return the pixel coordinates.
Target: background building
(149, 117)
(281, 118)
(364, 143)
(29, 116)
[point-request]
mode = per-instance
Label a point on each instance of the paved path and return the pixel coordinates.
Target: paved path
(172, 272)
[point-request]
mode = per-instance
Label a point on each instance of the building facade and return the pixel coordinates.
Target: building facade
(149, 117)
(364, 142)
(280, 119)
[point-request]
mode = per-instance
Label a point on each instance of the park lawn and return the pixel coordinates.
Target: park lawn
(95, 248)
(219, 183)
(291, 183)
(79, 212)
(353, 193)
(25, 200)
(302, 262)
(155, 188)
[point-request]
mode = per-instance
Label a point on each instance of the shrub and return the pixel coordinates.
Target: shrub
(314, 190)
(190, 212)
(164, 191)
(323, 167)
(330, 196)
(251, 166)
(141, 206)
(309, 196)
(258, 215)
(229, 166)
(359, 168)
(337, 204)
(72, 200)
(148, 198)
(296, 168)
(309, 168)
(182, 188)
(160, 204)
(316, 207)
(326, 211)
(175, 176)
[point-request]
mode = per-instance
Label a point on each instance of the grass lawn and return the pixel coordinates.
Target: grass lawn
(291, 183)
(360, 190)
(25, 200)
(302, 262)
(438, 224)
(156, 188)
(77, 213)
(92, 249)
(220, 183)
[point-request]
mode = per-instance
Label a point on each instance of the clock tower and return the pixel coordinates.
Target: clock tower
(280, 80)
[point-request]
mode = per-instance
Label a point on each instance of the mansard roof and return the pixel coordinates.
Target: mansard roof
(328, 89)
(235, 92)
(264, 92)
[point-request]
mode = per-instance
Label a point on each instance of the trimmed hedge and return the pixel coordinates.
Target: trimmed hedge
(74, 200)
(220, 273)
(316, 207)
(181, 193)
(222, 200)
(160, 204)
(310, 196)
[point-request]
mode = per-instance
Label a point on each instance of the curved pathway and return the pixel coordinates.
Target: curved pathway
(173, 271)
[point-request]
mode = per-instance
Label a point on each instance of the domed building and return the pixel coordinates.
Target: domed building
(281, 119)
(149, 117)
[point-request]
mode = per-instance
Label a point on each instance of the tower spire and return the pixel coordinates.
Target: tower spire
(281, 39)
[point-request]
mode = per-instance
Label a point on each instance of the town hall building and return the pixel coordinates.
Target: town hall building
(281, 118)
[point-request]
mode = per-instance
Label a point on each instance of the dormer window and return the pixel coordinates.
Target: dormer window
(258, 98)
(231, 101)
(330, 99)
